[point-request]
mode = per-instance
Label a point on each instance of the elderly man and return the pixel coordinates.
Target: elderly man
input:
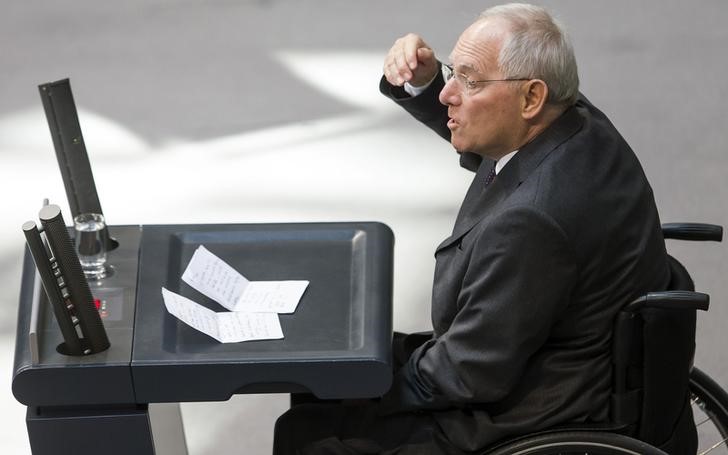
(557, 231)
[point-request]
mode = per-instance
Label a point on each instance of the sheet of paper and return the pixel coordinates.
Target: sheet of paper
(226, 327)
(214, 278)
(271, 296)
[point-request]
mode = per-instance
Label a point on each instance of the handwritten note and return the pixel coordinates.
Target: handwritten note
(214, 278)
(225, 327)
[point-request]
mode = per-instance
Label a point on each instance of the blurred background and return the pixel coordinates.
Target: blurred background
(268, 111)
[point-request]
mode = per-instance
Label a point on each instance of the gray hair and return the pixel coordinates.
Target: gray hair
(537, 47)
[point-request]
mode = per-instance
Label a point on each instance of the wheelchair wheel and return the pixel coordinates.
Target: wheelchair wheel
(577, 443)
(710, 410)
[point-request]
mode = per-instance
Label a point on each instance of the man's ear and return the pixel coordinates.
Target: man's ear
(534, 95)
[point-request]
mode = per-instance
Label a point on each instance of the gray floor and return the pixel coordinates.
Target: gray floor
(232, 111)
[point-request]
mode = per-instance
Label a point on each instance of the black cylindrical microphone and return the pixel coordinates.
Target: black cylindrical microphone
(49, 279)
(88, 316)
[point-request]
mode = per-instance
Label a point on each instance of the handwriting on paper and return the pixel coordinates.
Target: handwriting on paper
(226, 327)
(217, 280)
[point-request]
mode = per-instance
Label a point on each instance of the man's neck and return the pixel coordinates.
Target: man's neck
(545, 119)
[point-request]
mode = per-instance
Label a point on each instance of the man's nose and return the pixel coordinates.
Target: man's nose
(450, 95)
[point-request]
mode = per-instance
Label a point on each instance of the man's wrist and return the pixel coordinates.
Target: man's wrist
(414, 91)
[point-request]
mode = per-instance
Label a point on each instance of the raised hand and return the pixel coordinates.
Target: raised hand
(411, 60)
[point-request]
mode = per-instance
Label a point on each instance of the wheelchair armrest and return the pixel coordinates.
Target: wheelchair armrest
(676, 300)
(693, 231)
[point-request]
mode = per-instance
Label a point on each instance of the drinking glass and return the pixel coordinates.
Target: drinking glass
(91, 244)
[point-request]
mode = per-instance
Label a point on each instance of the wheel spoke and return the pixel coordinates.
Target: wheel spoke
(715, 446)
(702, 422)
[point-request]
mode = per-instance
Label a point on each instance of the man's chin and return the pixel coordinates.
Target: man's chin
(458, 147)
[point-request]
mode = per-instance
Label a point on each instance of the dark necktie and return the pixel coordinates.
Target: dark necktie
(491, 175)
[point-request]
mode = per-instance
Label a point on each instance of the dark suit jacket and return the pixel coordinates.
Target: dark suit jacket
(527, 286)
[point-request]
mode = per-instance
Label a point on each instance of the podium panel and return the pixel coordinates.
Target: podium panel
(337, 344)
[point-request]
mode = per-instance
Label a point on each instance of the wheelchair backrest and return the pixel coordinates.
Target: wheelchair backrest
(653, 350)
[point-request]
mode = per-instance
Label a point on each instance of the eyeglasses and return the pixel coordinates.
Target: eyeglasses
(466, 85)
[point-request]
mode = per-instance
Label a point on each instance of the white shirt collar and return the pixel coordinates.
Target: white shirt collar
(500, 164)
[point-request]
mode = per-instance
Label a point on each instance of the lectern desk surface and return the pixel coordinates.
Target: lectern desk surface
(336, 345)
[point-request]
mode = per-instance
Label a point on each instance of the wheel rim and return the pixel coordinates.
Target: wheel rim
(576, 448)
(710, 411)
(711, 434)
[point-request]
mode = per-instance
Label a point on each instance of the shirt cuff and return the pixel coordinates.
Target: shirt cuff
(414, 91)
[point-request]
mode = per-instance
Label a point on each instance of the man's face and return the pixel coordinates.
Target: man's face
(485, 119)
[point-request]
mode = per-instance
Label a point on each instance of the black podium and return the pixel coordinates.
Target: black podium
(336, 345)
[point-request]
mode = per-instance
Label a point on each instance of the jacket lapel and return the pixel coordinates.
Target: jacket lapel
(480, 201)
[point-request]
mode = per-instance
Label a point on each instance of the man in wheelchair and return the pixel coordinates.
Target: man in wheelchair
(557, 232)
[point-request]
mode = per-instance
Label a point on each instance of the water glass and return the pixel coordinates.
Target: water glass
(91, 244)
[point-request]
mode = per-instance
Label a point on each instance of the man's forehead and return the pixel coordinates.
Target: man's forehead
(478, 46)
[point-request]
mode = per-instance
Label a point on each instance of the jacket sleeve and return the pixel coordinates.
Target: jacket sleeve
(518, 280)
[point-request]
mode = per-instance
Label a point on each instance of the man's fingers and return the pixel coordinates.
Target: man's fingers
(410, 49)
(402, 68)
(407, 58)
(425, 55)
(393, 73)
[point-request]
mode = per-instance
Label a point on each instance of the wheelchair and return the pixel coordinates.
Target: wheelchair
(658, 397)
(653, 340)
